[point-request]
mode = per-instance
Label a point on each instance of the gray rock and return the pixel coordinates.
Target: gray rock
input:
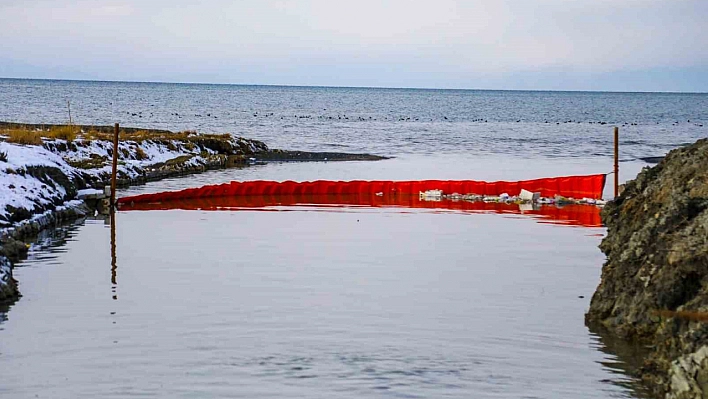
(688, 376)
(654, 285)
(13, 249)
(8, 285)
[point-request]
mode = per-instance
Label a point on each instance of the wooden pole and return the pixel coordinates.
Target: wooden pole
(115, 166)
(616, 171)
(114, 172)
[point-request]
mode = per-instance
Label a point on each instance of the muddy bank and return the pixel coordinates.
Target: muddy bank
(303, 156)
(654, 286)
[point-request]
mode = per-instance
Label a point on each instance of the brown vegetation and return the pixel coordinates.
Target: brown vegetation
(142, 135)
(67, 133)
(34, 136)
(28, 137)
(140, 154)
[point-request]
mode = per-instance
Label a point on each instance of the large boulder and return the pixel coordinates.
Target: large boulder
(654, 286)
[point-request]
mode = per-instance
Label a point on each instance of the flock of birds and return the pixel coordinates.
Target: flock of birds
(344, 117)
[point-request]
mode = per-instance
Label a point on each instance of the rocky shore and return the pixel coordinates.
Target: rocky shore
(41, 173)
(654, 287)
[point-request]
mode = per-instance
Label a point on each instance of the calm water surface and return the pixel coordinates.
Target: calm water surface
(322, 302)
(310, 303)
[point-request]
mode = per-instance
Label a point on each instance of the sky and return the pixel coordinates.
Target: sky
(612, 45)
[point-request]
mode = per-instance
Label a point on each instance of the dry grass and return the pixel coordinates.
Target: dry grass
(142, 135)
(140, 154)
(34, 137)
(19, 136)
(67, 133)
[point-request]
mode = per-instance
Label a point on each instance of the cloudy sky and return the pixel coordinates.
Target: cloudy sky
(623, 45)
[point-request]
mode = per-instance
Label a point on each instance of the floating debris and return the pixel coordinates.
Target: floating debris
(524, 197)
(431, 195)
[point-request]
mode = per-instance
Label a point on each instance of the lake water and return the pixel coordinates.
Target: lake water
(333, 302)
(382, 121)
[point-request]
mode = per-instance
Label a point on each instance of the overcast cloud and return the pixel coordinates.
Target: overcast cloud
(647, 45)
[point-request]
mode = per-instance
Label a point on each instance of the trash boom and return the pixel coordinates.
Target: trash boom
(571, 214)
(590, 186)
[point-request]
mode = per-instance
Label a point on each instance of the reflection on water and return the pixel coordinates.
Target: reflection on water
(623, 360)
(44, 248)
(50, 243)
(4, 307)
(376, 303)
(570, 214)
(114, 265)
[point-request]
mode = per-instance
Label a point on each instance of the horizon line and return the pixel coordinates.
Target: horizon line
(346, 87)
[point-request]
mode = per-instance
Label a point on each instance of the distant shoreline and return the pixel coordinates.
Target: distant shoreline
(382, 88)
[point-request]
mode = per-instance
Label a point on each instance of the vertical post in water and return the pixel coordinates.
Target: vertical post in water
(115, 167)
(616, 170)
(114, 171)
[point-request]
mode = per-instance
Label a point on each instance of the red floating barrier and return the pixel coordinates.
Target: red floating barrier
(259, 193)
(572, 214)
(570, 186)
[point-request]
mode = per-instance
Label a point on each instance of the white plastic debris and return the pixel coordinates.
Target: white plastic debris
(431, 195)
(455, 197)
(526, 195)
(526, 200)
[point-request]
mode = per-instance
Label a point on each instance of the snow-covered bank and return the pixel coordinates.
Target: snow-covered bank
(23, 191)
(37, 178)
(39, 182)
(43, 168)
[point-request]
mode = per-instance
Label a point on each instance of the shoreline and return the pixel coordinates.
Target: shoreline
(679, 92)
(651, 281)
(144, 155)
(654, 286)
(40, 182)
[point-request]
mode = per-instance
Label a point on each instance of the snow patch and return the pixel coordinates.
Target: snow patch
(21, 190)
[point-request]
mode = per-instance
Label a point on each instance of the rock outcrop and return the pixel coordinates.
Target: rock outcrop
(8, 285)
(654, 286)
